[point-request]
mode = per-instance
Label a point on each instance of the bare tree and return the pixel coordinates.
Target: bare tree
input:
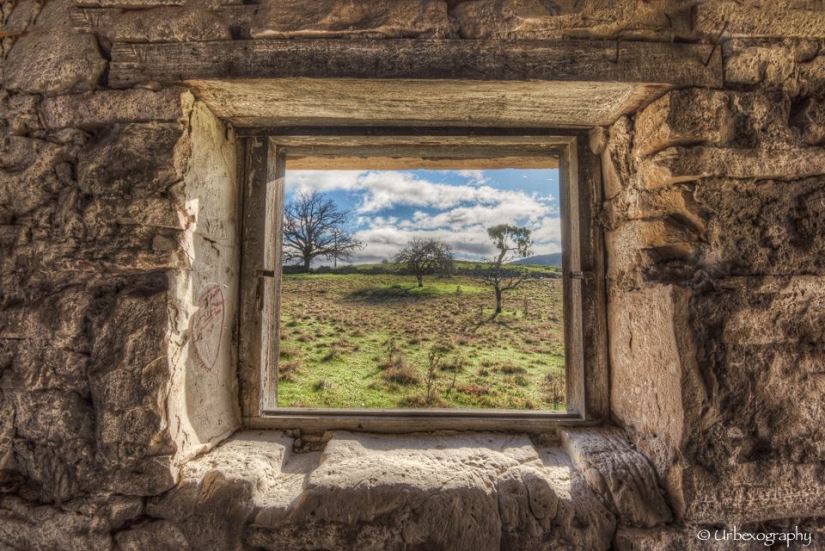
(512, 242)
(426, 256)
(313, 228)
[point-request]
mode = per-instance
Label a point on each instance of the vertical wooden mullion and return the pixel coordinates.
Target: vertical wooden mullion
(271, 274)
(593, 285)
(251, 292)
(571, 287)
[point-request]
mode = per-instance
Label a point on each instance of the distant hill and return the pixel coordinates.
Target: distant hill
(553, 259)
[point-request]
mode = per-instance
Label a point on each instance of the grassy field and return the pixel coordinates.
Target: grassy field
(379, 341)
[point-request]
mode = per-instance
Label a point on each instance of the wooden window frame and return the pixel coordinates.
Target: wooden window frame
(585, 336)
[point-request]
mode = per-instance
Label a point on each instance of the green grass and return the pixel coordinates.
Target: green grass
(363, 341)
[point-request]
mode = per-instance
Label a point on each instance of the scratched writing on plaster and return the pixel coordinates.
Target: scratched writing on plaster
(207, 327)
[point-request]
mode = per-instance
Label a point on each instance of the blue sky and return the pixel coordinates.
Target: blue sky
(388, 208)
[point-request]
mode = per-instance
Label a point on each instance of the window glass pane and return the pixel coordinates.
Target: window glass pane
(422, 288)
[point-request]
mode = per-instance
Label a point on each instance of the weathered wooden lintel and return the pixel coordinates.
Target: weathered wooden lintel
(410, 152)
(348, 102)
(568, 60)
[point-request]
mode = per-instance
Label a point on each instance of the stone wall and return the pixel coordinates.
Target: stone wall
(119, 259)
(716, 303)
(119, 242)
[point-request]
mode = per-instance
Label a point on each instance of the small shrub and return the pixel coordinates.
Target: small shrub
(335, 351)
(512, 369)
(434, 361)
(417, 401)
(554, 388)
(287, 353)
(402, 374)
(473, 390)
(288, 370)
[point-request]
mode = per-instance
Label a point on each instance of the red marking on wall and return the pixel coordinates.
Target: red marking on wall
(207, 327)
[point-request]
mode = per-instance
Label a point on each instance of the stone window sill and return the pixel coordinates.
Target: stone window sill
(473, 491)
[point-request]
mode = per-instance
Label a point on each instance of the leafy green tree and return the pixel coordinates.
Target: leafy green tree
(426, 256)
(512, 242)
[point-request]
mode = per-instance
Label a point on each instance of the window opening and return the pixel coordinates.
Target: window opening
(422, 289)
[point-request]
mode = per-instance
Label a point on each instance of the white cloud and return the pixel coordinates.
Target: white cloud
(547, 229)
(463, 212)
(384, 190)
(468, 242)
(518, 208)
(307, 181)
(386, 242)
(475, 177)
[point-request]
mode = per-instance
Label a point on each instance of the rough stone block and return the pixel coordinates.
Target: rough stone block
(53, 61)
(334, 18)
(769, 19)
(53, 442)
(792, 315)
(406, 475)
(129, 380)
(457, 492)
(533, 500)
(761, 120)
(157, 536)
(164, 24)
(219, 490)
(40, 366)
(621, 476)
(104, 215)
(22, 16)
(489, 19)
(133, 160)
(94, 109)
(761, 345)
(634, 247)
(636, 204)
(55, 13)
(119, 510)
(19, 112)
(680, 164)
(58, 318)
(752, 492)
(25, 525)
(809, 119)
(773, 403)
(7, 466)
(790, 66)
(536, 19)
(684, 117)
(762, 228)
(617, 165)
(13, 236)
(146, 4)
(53, 416)
(27, 173)
(655, 387)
